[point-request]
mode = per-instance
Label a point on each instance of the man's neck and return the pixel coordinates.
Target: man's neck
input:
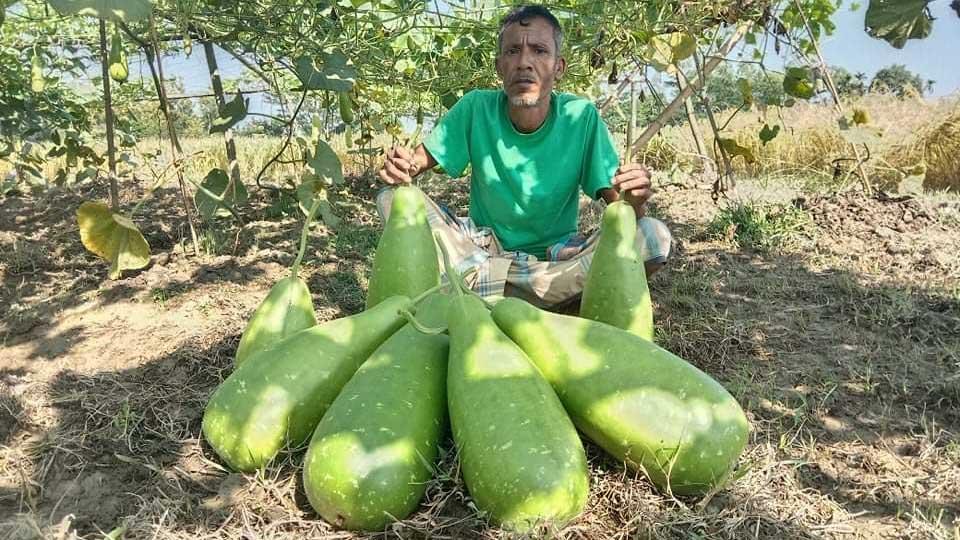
(529, 119)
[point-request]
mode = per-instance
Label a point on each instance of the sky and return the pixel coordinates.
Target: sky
(935, 58)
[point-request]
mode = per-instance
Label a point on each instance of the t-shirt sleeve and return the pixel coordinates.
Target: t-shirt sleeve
(449, 142)
(600, 161)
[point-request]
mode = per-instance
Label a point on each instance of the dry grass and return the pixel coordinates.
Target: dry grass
(915, 132)
(937, 147)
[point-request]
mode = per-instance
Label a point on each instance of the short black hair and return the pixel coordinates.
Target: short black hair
(523, 14)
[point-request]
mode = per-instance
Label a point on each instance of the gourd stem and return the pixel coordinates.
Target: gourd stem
(420, 327)
(456, 280)
(303, 236)
(452, 276)
(419, 298)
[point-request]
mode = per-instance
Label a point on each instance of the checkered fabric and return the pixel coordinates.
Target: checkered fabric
(553, 282)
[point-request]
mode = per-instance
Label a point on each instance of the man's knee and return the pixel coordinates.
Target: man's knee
(655, 243)
(384, 200)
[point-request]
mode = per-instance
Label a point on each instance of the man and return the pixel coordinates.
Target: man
(531, 151)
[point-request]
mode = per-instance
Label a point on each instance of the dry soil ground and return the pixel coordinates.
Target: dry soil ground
(844, 349)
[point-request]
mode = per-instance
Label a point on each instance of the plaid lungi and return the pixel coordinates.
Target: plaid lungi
(553, 282)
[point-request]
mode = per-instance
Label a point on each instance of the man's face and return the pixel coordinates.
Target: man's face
(528, 62)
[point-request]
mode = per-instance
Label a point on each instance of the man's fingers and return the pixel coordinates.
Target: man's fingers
(401, 162)
(385, 177)
(398, 174)
(401, 153)
(632, 182)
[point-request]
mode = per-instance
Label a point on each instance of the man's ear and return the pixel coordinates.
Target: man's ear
(561, 67)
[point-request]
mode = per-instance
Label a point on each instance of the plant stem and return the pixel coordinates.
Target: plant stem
(231, 147)
(452, 276)
(419, 298)
(654, 127)
(152, 51)
(295, 269)
(412, 319)
(108, 116)
(835, 95)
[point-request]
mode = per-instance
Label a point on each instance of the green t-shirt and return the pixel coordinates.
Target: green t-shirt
(525, 186)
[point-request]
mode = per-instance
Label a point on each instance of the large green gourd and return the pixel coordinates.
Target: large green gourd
(276, 399)
(406, 258)
(639, 402)
(521, 457)
(370, 458)
(287, 309)
(616, 288)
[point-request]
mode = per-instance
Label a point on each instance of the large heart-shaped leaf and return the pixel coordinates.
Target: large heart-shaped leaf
(112, 237)
(325, 171)
(325, 164)
(896, 21)
(768, 134)
(331, 71)
(798, 82)
(313, 191)
(212, 199)
(123, 10)
(665, 51)
(231, 114)
(734, 149)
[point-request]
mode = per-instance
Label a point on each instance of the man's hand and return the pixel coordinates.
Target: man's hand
(632, 181)
(398, 166)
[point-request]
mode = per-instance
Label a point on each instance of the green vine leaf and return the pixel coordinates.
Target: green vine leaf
(768, 134)
(112, 237)
(665, 51)
(746, 91)
(309, 191)
(896, 21)
(332, 71)
(325, 171)
(231, 114)
(732, 147)
(123, 10)
(216, 183)
(325, 165)
(798, 82)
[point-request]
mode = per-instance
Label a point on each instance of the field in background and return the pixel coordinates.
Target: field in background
(833, 317)
(915, 132)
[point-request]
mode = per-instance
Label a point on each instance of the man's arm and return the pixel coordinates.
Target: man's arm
(401, 166)
(632, 183)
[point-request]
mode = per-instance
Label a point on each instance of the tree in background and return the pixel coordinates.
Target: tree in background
(618, 116)
(723, 88)
(849, 84)
(899, 80)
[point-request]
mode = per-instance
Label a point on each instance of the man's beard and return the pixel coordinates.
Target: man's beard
(524, 101)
